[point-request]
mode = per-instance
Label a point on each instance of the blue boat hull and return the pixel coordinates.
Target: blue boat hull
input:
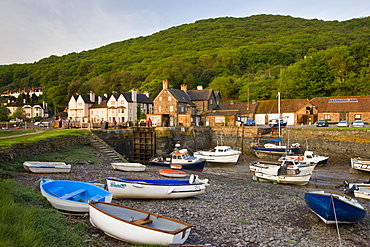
(193, 166)
(71, 195)
(332, 209)
(279, 151)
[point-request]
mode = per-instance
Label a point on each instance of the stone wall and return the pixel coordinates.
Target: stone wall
(337, 143)
(119, 139)
(45, 146)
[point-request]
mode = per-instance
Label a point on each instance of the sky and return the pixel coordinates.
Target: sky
(34, 29)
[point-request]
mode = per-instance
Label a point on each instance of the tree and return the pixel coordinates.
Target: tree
(4, 113)
(225, 85)
(17, 113)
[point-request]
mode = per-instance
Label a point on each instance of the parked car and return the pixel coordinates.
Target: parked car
(322, 123)
(342, 124)
(358, 123)
(250, 122)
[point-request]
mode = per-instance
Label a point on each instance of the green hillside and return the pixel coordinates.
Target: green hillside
(254, 56)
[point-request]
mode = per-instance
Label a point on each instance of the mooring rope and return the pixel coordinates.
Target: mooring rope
(336, 221)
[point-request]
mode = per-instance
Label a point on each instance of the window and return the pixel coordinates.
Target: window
(160, 98)
(326, 116)
(357, 116)
(159, 108)
(169, 98)
(219, 119)
(171, 108)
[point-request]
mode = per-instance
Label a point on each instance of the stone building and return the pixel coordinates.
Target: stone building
(182, 107)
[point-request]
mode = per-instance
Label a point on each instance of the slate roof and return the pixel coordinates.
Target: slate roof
(103, 104)
(200, 95)
(342, 104)
(181, 96)
(19, 104)
(141, 98)
(86, 98)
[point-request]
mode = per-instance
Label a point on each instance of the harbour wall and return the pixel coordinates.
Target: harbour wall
(338, 143)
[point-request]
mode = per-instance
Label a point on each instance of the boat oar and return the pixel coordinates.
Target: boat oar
(52, 193)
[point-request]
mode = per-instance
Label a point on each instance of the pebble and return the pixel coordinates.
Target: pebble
(232, 212)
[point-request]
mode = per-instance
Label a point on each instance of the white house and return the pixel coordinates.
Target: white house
(30, 110)
(118, 108)
(79, 107)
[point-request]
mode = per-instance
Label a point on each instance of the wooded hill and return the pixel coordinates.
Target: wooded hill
(251, 57)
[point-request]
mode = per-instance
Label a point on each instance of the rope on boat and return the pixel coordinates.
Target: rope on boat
(336, 221)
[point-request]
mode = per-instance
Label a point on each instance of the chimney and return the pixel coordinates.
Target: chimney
(146, 93)
(106, 95)
(184, 87)
(134, 95)
(99, 99)
(165, 84)
(92, 97)
(199, 87)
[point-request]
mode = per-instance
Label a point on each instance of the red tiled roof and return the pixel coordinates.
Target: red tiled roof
(342, 104)
(286, 105)
(242, 107)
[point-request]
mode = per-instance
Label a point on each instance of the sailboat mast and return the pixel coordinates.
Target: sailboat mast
(279, 116)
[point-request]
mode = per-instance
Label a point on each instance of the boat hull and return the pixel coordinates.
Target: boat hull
(46, 167)
(218, 159)
(122, 223)
(172, 173)
(193, 166)
(154, 189)
(362, 191)
(275, 173)
(129, 167)
(360, 164)
(57, 191)
(334, 208)
(283, 179)
(219, 155)
(262, 152)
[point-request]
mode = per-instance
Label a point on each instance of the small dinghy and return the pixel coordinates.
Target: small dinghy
(137, 226)
(173, 173)
(46, 167)
(129, 167)
(178, 167)
(72, 196)
(334, 207)
(156, 189)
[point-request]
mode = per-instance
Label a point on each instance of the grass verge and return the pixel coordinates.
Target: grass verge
(49, 134)
(14, 133)
(27, 219)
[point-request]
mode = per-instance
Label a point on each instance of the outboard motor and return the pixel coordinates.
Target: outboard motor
(351, 190)
(282, 170)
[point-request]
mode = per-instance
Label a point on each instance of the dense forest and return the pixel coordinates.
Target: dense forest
(244, 58)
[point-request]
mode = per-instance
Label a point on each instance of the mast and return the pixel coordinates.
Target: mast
(279, 117)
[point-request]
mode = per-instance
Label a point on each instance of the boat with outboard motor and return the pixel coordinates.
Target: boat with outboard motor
(180, 157)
